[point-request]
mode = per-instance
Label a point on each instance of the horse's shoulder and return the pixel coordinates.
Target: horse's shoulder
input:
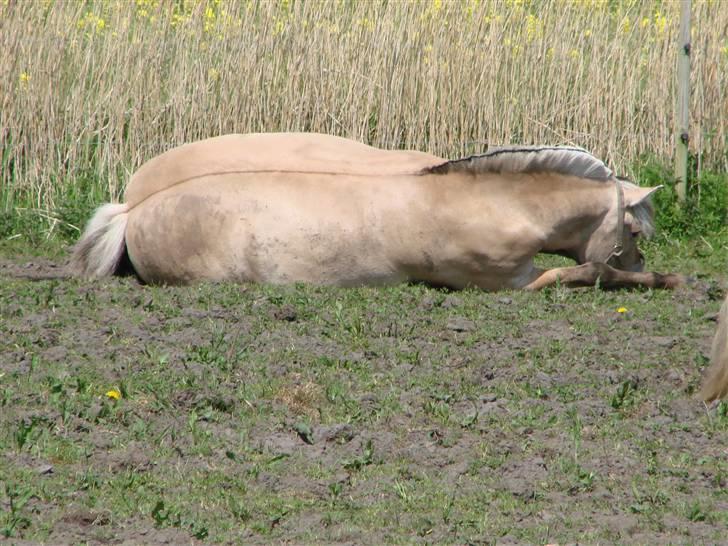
(564, 160)
(271, 152)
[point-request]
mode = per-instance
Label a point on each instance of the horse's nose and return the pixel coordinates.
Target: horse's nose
(640, 265)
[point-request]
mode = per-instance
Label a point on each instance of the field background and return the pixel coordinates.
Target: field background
(90, 90)
(260, 414)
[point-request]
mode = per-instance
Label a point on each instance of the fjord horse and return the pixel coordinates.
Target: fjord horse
(297, 207)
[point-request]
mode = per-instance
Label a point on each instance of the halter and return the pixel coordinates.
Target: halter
(618, 247)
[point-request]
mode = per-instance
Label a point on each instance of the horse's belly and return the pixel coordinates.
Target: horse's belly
(221, 229)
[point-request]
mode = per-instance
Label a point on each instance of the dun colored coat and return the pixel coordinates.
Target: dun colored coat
(283, 208)
(715, 383)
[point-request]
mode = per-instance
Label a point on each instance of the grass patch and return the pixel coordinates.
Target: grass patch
(258, 413)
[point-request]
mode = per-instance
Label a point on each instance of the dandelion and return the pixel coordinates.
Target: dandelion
(114, 394)
(621, 310)
(24, 78)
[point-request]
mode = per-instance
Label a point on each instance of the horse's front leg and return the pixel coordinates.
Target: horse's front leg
(588, 274)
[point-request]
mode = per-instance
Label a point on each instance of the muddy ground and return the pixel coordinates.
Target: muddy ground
(256, 414)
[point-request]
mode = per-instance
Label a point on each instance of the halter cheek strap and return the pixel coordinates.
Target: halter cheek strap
(618, 247)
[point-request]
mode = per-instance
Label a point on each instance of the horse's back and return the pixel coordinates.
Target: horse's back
(271, 152)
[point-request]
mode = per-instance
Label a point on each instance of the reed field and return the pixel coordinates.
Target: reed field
(90, 90)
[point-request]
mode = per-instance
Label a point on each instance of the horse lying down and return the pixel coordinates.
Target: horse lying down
(299, 207)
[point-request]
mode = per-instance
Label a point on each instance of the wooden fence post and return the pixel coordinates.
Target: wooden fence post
(682, 138)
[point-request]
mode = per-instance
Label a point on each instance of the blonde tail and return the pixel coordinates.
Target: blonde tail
(715, 383)
(100, 248)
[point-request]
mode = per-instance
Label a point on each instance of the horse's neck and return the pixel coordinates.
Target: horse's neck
(574, 209)
(565, 210)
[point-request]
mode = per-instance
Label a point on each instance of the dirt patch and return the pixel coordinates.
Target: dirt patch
(262, 414)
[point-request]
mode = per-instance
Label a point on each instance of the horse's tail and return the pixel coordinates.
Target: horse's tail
(99, 250)
(715, 383)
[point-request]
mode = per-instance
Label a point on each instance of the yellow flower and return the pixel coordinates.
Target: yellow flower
(93, 24)
(534, 27)
(365, 23)
(113, 393)
(622, 310)
(280, 27)
(24, 78)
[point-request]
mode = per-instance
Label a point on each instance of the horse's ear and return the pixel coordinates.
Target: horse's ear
(634, 195)
(632, 223)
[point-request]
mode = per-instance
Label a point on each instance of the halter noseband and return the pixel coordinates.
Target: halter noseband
(618, 247)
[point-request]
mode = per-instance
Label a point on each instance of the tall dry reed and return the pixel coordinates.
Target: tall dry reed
(90, 90)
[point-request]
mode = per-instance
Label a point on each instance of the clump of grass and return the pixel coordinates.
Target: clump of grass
(301, 399)
(115, 84)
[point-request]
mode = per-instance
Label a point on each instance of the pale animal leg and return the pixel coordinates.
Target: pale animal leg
(588, 274)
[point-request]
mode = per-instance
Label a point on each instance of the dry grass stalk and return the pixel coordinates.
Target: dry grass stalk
(89, 94)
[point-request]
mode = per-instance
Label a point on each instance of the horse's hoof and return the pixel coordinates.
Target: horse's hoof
(675, 280)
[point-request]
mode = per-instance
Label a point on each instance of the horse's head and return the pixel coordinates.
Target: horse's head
(614, 242)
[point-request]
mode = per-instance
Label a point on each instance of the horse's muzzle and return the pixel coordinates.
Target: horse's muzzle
(636, 267)
(640, 265)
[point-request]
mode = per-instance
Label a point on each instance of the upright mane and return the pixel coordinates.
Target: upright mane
(565, 160)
